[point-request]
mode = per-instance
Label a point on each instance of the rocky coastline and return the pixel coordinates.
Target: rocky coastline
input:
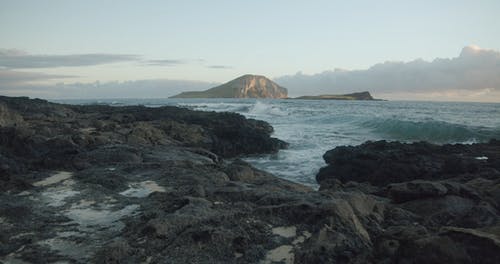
(105, 184)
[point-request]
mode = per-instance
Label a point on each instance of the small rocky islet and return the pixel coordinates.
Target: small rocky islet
(132, 184)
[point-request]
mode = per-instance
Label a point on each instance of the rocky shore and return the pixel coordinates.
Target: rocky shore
(132, 184)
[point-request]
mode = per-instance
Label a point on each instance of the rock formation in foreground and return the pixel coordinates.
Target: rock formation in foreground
(365, 96)
(438, 203)
(132, 184)
(246, 86)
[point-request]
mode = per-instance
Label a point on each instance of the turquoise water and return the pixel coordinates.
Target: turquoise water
(313, 127)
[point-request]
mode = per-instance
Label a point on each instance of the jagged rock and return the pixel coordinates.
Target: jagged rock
(9, 118)
(381, 163)
(118, 251)
(151, 185)
(456, 245)
(414, 190)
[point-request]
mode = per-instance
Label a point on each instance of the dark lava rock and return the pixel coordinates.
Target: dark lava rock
(36, 134)
(102, 184)
(443, 202)
(453, 245)
(381, 162)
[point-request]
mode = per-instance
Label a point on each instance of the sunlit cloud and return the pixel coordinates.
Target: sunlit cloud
(475, 69)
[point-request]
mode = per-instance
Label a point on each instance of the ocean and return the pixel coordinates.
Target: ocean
(312, 127)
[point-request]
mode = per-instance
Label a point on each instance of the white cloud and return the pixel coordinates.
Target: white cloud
(475, 70)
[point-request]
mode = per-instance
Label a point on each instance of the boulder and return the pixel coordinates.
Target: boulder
(381, 163)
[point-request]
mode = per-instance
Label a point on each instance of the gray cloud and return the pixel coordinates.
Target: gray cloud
(222, 67)
(474, 69)
(19, 78)
(16, 59)
(159, 88)
(165, 62)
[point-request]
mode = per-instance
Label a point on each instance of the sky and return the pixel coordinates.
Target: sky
(93, 49)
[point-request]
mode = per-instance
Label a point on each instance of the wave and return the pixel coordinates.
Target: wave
(218, 107)
(252, 109)
(260, 108)
(432, 131)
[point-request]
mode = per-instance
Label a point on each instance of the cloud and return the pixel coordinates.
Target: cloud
(16, 59)
(18, 78)
(154, 88)
(165, 62)
(474, 70)
(222, 67)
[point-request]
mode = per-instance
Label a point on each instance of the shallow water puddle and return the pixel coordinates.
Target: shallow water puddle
(300, 239)
(58, 177)
(285, 231)
(100, 217)
(55, 196)
(11, 259)
(67, 247)
(93, 218)
(142, 189)
(282, 254)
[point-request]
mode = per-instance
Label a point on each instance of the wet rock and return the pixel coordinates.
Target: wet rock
(9, 118)
(144, 133)
(117, 252)
(489, 190)
(112, 154)
(240, 171)
(333, 246)
(413, 190)
(457, 245)
(441, 197)
(151, 185)
(381, 163)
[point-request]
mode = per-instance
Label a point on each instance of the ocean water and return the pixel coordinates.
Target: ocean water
(314, 126)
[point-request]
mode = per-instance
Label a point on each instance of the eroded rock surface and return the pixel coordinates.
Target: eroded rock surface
(441, 202)
(101, 184)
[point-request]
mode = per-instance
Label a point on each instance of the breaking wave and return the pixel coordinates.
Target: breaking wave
(432, 131)
(260, 108)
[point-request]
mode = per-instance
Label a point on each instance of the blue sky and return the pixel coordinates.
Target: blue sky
(215, 41)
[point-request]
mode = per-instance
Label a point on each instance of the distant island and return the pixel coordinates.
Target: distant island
(352, 96)
(246, 86)
(258, 86)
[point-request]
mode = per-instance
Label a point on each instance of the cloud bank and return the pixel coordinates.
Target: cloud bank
(16, 59)
(474, 75)
(159, 88)
(10, 78)
(475, 71)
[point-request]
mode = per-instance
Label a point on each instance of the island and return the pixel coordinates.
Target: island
(365, 96)
(246, 86)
